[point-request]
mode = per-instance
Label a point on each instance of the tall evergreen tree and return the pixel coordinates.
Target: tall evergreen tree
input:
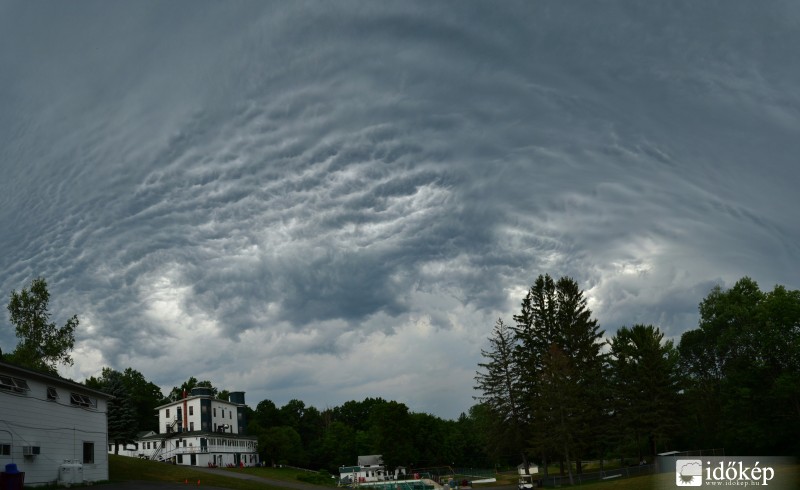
(499, 381)
(646, 384)
(121, 416)
(560, 344)
(143, 396)
(534, 333)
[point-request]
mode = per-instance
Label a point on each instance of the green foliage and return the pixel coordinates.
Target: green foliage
(306, 420)
(142, 396)
(734, 382)
(266, 414)
(282, 445)
(121, 415)
(743, 364)
(503, 392)
(391, 433)
(42, 344)
(338, 446)
(561, 368)
(646, 383)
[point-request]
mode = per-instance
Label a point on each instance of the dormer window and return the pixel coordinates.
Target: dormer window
(15, 385)
(52, 394)
(81, 400)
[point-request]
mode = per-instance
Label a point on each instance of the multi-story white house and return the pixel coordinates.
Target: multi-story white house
(52, 429)
(200, 430)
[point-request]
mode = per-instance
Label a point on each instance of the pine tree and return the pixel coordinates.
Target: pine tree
(121, 416)
(561, 367)
(500, 385)
(646, 384)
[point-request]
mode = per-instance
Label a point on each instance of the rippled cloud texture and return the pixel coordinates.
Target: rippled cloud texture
(333, 200)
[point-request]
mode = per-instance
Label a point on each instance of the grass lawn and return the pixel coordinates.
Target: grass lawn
(122, 468)
(667, 481)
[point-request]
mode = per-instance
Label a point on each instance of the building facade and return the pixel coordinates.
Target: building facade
(370, 469)
(199, 430)
(51, 427)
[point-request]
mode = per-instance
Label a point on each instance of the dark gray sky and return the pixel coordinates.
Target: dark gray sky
(334, 200)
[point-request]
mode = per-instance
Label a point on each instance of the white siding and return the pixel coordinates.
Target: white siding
(180, 448)
(222, 413)
(57, 427)
(225, 415)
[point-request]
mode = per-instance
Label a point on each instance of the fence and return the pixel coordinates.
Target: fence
(475, 473)
(399, 485)
(696, 453)
(625, 472)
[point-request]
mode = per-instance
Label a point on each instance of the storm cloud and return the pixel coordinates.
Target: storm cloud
(333, 200)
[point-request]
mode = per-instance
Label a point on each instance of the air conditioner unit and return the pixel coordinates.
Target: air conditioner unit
(31, 450)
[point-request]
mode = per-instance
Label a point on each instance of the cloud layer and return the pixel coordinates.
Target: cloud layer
(329, 201)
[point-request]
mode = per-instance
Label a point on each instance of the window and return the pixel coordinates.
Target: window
(81, 400)
(168, 413)
(52, 394)
(191, 425)
(15, 385)
(5, 449)
(191, 409)
(88, 452)
(215, 411)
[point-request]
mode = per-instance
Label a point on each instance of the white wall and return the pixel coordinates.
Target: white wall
(56, 426)
(218, 408)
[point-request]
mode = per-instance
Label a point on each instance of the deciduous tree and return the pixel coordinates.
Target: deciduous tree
(743, 363)
(42, 344)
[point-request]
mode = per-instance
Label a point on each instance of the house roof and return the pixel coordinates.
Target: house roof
(20, 371)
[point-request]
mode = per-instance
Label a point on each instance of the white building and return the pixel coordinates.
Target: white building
(52, 429)
(370, 469)
(199, 430)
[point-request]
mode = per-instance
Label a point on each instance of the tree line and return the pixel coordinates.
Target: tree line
(556, 390)
(552, 389)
